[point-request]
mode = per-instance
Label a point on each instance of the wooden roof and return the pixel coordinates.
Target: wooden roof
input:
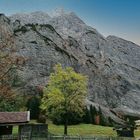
(14, 117)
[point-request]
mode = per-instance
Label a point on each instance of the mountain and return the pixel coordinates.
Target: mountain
(112, 64)
(34, 17)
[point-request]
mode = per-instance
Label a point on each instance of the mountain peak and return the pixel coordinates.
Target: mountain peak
(68, 23)
(39, 14)
(58, 12)
(44, 18)
(33, 17)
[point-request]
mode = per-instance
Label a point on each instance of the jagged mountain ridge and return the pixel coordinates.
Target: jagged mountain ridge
(111, 63)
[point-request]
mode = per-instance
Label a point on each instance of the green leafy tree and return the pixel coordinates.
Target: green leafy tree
(65, 93)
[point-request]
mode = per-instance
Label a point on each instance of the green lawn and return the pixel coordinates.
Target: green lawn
(81, 129)
(86, 129)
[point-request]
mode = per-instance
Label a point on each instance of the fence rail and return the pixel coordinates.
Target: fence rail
(87, 138)
(8, 137)
(63, 137)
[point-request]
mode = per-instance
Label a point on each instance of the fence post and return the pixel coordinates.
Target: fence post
(80, 137)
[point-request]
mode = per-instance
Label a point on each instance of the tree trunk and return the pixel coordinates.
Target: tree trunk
(66, 125)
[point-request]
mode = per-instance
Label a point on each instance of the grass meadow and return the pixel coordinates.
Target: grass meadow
(82, 129)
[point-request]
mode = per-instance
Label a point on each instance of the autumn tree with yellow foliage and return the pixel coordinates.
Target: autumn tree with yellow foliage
(66, 92)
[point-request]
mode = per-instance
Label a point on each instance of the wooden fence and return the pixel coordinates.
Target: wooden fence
(54, 137)
(8, 137)
(87, 138)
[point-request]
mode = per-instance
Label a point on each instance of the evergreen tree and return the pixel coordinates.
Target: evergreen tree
(33, 105)
(93, 113)
(102, 118)
(87, 116)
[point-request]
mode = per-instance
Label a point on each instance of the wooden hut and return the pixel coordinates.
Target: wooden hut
(10, 119)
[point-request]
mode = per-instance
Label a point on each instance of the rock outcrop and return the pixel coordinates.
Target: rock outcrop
(112, 64)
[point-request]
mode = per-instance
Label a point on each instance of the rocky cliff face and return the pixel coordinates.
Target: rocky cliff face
(112, 64)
